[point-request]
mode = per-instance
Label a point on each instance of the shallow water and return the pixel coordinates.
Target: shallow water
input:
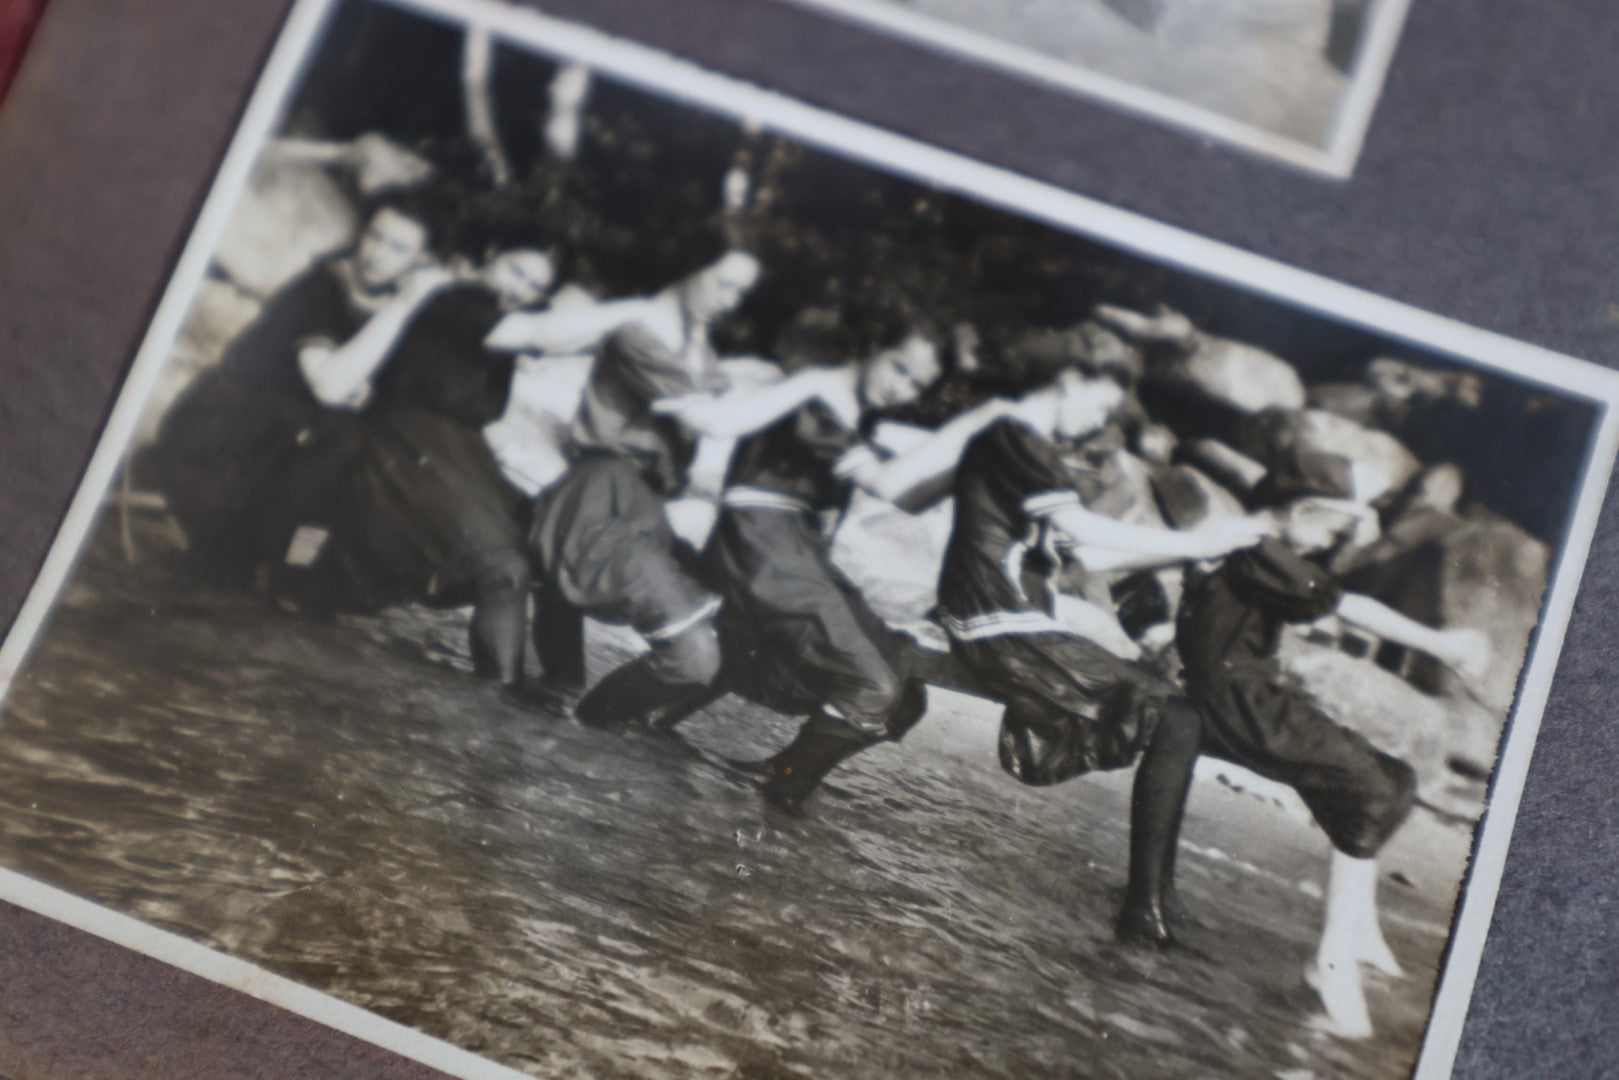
(342, 804)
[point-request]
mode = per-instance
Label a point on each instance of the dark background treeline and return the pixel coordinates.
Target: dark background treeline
(641, 204)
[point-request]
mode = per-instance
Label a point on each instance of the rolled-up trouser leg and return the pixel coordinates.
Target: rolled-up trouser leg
(1357, 793)
(1361, 815)
(604, 538)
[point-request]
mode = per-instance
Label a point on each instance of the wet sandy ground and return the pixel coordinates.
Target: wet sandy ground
(1257, 61)
(342, 804)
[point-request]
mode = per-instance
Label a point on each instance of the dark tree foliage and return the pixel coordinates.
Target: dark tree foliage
(641, 205)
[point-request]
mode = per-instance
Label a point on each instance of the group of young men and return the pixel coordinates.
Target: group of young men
(339, 444)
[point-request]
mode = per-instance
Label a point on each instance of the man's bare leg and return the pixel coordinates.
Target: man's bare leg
(1350, 936)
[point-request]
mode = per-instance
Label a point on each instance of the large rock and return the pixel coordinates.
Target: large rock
(1229, 373)
(285, 218)
(288, 216)
(1486, 573)
(1323, 453)
(1188, 497)
(1383, 459)
(219, 312)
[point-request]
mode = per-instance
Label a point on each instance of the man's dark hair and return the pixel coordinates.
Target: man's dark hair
(708, 248)
(897, 325)
(419, 205)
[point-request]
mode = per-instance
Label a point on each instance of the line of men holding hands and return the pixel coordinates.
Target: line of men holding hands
(340, 448)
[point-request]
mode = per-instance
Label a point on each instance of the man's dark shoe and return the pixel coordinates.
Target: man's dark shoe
(1144, 924)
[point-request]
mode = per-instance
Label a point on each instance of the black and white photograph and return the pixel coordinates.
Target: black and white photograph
(598, 569)
(1295, 80)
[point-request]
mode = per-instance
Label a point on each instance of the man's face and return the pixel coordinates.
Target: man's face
(1084, 405)
(1308, 537)
(719, 288)
(391, 244)
(1311, 525)
(521, 278)
(900, 374)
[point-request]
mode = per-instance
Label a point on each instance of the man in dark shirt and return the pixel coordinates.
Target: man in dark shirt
(427, 515)
(1228, 631)
(797, 635)
(1071, 705)
(600, 541)
(250, 447)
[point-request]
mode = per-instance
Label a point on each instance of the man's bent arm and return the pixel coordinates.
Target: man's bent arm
(743, 410)
(570, 330)
(1086, 529)
(921, 467)
(340, 376)
(1465, 650)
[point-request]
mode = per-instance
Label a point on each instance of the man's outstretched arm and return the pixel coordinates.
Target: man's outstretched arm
(1465, 650)
(747, 408)
(568, 330)
(1103, 543)
(340, 376)
(922, 466)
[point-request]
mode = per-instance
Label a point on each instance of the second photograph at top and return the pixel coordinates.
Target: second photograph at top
(1292, 79)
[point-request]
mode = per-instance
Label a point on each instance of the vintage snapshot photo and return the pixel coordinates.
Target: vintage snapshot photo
(1294, 79)
(602, 570)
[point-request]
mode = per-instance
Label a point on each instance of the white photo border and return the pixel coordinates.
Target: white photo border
(647, 69)
(1335, 159)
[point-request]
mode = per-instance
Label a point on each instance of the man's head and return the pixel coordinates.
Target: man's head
(1082, 405)
(1314, 523)
(719, 287)
(897, 375)
(520, 278)
(392, 243)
